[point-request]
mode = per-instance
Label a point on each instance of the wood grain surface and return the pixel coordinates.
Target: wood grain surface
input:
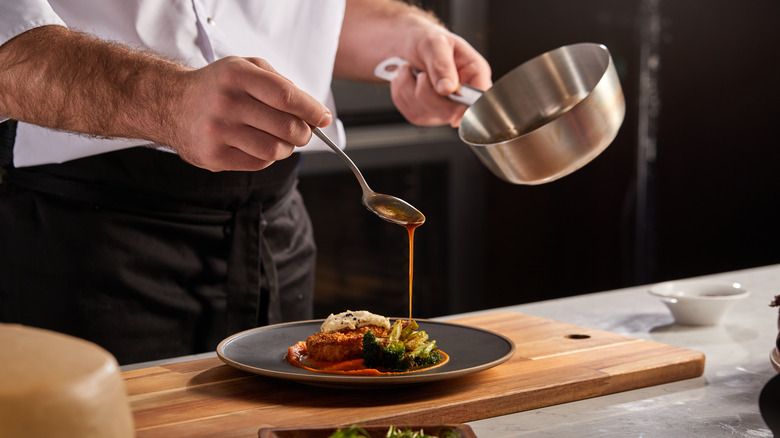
(554, 363)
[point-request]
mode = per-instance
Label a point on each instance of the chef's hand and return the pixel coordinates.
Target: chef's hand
(240, 114)
(445, 61)
(234, 114)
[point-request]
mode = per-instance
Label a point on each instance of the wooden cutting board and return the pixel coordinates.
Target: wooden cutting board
(554, 363)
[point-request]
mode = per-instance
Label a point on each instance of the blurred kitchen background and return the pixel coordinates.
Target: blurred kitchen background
(690, 186)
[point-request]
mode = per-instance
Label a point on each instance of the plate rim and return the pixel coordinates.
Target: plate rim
(360, 381)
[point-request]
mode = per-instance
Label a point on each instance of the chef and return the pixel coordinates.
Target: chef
(149, 152)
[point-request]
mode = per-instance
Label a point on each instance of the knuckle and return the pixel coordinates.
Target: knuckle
(231, 72)
(274, 150)
(285, 95)
(260, 147)
(292, 131)
(229, 77)
(288, 128)
(284, 151)
(262, 63)
(439, 40)
(434, 41)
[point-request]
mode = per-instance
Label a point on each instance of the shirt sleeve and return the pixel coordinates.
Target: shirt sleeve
(18, 16)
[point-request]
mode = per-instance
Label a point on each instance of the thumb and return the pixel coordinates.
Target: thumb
(442, 71)
(445, 85)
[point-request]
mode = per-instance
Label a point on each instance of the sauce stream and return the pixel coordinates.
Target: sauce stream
(410, 228)
(296, 354)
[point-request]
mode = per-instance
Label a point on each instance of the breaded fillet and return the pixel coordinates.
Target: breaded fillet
(340, 345)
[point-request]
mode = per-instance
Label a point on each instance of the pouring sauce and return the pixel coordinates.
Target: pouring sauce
(398, 211)
(296, 354)
(410, 229)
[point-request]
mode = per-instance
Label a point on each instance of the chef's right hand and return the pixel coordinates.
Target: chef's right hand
(240, 114)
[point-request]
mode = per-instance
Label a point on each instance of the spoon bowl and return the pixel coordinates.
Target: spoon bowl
(393, 209)
(389, 208)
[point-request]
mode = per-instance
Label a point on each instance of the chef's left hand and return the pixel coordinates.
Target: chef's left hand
(445, 61)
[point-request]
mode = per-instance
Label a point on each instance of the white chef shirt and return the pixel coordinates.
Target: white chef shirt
(298, 38)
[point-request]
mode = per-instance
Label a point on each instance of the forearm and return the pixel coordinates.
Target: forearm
(375, 30)
(53, 77)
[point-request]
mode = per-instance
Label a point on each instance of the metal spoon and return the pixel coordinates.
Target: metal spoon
(387, 207)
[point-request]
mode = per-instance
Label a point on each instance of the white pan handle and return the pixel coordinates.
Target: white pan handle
(388, 70)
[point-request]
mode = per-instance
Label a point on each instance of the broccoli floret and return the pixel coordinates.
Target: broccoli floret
(371, 350)
(393, 354)
(403, 349)
(393, 357)
(390, 356)
(426, 354)
(431, 359)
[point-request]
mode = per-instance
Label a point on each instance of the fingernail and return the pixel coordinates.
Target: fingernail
(326, 119)
(445, 86)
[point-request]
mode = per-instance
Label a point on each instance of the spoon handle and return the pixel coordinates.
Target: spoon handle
(388, 70)
(322, 136)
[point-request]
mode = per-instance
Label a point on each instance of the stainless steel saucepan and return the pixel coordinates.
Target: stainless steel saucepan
(546, 118)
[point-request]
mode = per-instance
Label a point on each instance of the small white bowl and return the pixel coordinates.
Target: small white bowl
(699, 302)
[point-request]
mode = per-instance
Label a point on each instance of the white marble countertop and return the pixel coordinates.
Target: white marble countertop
(721, 403)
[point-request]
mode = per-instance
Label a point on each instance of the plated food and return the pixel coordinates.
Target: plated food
(377, 431)
(263, 350)
(364, 343)
(394, 432)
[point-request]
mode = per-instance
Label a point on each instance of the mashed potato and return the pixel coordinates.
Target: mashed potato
(353, 320)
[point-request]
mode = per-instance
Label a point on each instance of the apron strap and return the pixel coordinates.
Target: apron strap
(267, 260)
(7, 139)
(253, 297)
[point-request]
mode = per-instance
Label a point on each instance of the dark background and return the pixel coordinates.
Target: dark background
(690, 186)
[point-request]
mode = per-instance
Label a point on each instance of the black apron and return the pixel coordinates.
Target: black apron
(151, 257)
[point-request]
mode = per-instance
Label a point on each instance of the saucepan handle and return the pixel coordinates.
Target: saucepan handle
(388, 70)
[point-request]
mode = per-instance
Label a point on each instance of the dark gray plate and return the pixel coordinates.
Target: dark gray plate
(262, 351)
